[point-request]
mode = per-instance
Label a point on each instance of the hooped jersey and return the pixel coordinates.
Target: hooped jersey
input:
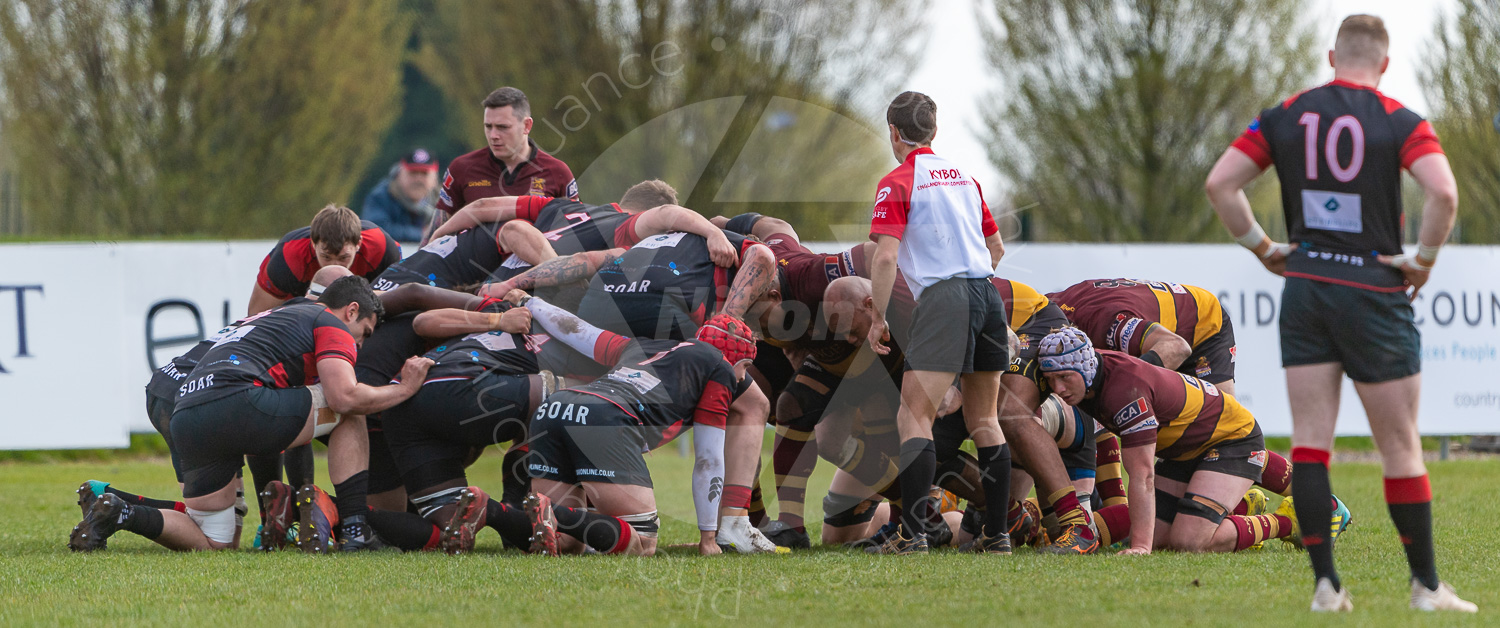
(469, 356)
(1118, 314)
(1022, 302)
(667, 386)
(164, 380)
(938, 213)
(288, 269)
(278, 348)
(1338, 150)
(803, 279)
(1144, 403)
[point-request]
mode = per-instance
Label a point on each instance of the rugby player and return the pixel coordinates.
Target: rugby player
(250, 394)
(1339, 150)
(930, 220)
(510, 164)
(587, 441)
(337, 237)
(1210, 448)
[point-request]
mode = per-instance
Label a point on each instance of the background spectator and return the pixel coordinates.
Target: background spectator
(402, 203)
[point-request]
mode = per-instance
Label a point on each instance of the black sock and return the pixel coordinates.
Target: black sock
(1314, 504)
(350, 494)
(299, 466)
(143, 520)
(512, 524)
(601, 532)
(405, 530)
(516, 483)
(994, 465)
(918, 466)
(132, 498)
(1410, 503)
(264, 470)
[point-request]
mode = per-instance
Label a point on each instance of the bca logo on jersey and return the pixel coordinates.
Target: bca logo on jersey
(1131, 413)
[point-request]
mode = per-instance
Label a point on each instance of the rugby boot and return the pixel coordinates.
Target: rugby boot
(988, 545)
(1025, 529)
(1441, 599)
(1327, 600)
(899, 545)
(877, 539)
(786, 536)
(939, 534)
(736, 533)
(1255, 504)
(102, 520)
(87, 493)
(1342, 519)
(458, 536)
(543, 524)
(276, 508)
(355, 535)
(1294, 539)
(1073, 540)
(316, 520)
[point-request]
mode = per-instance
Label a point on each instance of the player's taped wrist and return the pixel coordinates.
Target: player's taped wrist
(1427, 255)
(1257, 242)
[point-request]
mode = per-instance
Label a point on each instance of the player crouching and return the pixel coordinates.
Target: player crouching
(1206, 448)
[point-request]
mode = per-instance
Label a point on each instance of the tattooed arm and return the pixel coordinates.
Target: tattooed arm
(757, 271)
(558, 271)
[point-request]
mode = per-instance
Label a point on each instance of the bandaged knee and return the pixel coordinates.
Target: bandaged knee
(217, 525)
(645, 524)
(1194, 505)
(840, 510)
(326, 419)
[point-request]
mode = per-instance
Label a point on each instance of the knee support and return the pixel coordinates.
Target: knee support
(1166, 506)
(841, 510)
(217, 525)
(326, 419)
(645, 524)
(1194, 505)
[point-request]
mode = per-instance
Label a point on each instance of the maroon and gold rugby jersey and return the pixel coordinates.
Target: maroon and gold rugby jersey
(478, 174)
(288, 269)
(278, 348)
(1117, 314)
(1143, 403)
(804, 277)
(1022, 302)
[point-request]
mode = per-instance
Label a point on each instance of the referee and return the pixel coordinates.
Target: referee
(930, 220)
(1339, 150)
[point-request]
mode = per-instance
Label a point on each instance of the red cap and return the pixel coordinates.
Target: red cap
(419, 160)
(731, 336)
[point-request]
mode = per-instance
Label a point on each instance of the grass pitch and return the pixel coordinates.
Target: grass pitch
(136, 582)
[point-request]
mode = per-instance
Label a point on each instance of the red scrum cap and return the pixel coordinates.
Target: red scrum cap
(731, 336)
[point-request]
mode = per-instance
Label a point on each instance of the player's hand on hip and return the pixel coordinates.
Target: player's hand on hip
(1411, 268)
(1274, 259)
(722, 252)
(414, 371)
(879, 334)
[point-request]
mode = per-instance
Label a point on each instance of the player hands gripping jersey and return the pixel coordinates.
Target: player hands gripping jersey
(589, 439)
(1339, 150)
(252, 394)
(1177, 326)
(1206, 447)
(337, 237)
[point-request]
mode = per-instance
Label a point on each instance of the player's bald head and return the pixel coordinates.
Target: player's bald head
(325, 277)
(1362, 43)
(848, 290)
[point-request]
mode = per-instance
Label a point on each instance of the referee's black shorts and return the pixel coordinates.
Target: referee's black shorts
(1373, 335)
(958, 327)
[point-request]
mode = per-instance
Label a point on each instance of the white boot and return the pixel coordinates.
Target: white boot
(736, 532)
(1326, 599)
(1443, 599)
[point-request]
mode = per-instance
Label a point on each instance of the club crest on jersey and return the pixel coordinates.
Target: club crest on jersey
(1202, 368)
(1213, 455)
(1025, 341)
(538, 186)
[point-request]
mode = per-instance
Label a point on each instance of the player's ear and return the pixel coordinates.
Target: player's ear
(1331, 64)
(1384, 63)
(895, 135)
(526, 125)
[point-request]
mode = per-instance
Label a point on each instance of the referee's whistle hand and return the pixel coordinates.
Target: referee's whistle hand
(877, 337)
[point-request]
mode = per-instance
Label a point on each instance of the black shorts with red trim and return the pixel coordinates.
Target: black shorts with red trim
(432, 434)
(577, 437)
(1372, 335)
(1241, 458)
(1213, 359)
(212, 439)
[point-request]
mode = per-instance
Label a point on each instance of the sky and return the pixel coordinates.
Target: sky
(954, 73)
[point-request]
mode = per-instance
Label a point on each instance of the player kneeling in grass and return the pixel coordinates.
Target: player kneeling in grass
(1205, 447)
(587, 441)
(250, 394)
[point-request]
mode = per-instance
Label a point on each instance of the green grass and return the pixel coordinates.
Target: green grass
(136, 582)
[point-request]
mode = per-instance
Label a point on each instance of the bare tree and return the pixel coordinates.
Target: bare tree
(1461, 73)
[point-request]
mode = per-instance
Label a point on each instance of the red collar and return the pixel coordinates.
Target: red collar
(922, 150)
(1351, 85)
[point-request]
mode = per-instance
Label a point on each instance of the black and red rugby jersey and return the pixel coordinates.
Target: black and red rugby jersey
(278, 348)
(671, 271)
(668, 386)
(164, 381)
(288, 270)
(572, 227)
(1338, 150)
(466, 357)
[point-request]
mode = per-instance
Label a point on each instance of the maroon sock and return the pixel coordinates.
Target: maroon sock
(1277, 476)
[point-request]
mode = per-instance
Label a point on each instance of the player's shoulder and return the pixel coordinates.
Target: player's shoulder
(467, 161)
(547, 162)
(301, 233)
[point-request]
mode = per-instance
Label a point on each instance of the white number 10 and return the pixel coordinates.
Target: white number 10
(1331, 146)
